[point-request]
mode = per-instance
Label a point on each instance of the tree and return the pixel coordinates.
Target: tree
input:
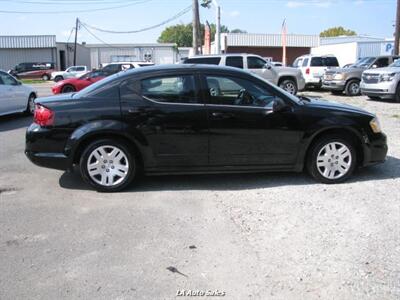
(337, 31)
(238, 31)
(182, 34)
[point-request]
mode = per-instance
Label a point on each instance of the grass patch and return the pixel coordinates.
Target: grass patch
(32, 81)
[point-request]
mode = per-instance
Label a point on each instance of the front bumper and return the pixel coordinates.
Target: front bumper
(384, 90)
(375, 150)
(333, 85)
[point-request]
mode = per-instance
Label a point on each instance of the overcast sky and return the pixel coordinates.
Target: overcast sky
(368, 17)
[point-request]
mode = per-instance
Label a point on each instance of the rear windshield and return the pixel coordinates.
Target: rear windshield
(203, 60)
(324, 62)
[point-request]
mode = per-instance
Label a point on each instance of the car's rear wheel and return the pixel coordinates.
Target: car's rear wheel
(353, 88)
(30, 107)
(45, 77)
(332, 159)
(289, 86)
(68, 89)
(108, 165)
(58, 78)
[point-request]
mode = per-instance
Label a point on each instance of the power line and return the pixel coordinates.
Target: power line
(179, 14)
(73, 11)
(59, 2)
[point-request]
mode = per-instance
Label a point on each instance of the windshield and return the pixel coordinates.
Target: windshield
(396, 64)
(363, 62)
(94, 86)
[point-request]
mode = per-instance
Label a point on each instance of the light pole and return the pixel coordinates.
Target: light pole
(206, 3)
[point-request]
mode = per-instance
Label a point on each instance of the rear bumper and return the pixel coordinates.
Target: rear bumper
(43, 148)
(375, 151)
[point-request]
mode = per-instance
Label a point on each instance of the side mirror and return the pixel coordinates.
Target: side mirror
(267, 66)
(279, 105)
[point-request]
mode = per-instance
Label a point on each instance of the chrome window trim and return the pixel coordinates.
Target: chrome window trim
(172, 103)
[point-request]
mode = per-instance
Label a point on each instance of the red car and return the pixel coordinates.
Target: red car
(76, 84)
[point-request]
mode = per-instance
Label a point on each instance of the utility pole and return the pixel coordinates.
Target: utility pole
(196, 27)
(76, 39)
(397, 32)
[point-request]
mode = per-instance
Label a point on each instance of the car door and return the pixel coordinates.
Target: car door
(13, 97)
(262, 68)
(167, 112)
(244, 130)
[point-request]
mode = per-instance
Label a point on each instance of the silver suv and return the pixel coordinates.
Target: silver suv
(382, 83)
(348, 79)
(289, 79)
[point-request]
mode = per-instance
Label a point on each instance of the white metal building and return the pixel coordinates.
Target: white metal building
(351, 48)
(157, 53)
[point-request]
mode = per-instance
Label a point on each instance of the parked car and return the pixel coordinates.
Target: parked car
(71, 72)
(155, 120)
(33, 70)
(348, 80)
(313, 67)
(15, 96)
(383, 83)
(112, 68)
(77, 84)
(289, 79)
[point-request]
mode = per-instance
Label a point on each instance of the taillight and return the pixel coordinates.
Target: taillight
(43, 116)
(308, 71)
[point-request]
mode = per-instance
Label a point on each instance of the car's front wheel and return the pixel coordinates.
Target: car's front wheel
(289, 86)
(353, 88)
(108, 165)
(332, 159)
(30, 107)
(58, 78)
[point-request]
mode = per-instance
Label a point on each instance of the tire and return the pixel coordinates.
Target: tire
(30, 106)
(337, 93)
(68, 89)
(106, 176)
(397, 96)
(353, 88)
(324, 167)
(58, 78)
(289, 86)
(45, 77)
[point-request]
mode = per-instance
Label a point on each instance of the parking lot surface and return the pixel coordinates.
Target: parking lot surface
(251, 236)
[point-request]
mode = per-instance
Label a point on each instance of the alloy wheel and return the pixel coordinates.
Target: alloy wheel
(354, 88)
(334, 160)
(108, 165)
(31, 104)
(289, 87)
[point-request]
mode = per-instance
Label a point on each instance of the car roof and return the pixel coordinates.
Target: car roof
(221, 55)
(181, 67)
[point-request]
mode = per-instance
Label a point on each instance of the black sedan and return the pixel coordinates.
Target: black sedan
(198, 119)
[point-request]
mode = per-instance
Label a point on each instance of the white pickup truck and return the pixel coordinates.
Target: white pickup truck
(71, 72)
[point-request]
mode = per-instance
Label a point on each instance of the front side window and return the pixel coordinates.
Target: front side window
(80, 69)
(255, 63)
(111, 69)
(234, 61)
(223, 90)
(170, 89)
(7, 79)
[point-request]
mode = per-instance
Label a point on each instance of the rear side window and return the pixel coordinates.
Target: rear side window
(170, 89)
(203, 60)
(305, 62)
(234, 61)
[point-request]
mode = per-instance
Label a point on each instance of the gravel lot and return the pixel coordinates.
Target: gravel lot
(254, 236)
